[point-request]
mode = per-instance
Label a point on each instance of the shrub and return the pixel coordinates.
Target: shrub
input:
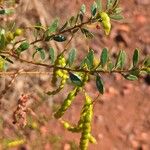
(64, 65)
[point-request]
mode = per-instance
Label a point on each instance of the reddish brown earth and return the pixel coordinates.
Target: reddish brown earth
(121, 116)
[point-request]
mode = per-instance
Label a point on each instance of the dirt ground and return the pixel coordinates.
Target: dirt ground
(121, 116)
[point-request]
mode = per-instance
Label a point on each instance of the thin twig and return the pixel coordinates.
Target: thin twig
(10, 84)
(65, 68)
(64, 31)
(25, 73)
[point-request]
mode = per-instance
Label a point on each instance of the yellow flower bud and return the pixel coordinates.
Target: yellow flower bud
(105, 22)
(2, 63)
(9, 36)
(18, 32)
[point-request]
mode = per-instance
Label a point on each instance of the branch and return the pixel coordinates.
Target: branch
(64, 31)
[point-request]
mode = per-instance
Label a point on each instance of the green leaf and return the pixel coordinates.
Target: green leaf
(2, 11)
(104, 57)
(99, 5)
(110, 66)
(24, 46)
(147, 62)
(6, 11)
(135, 58)
(121, 60)
(90, 59)
(53, 27)
(87, 33)
(118, 10)
(75, 79)
(109, 4)
(130, 77)
(100, 84)
(7, 59)
(83, 9)
(9, 11)
(72, 21)
(40, 51)
(72, 56)
(59, 38)
(115, 4)
(116, 17)
(42, 54)
(94, 8)
(81, 17)
(2, 41)
(52, 55)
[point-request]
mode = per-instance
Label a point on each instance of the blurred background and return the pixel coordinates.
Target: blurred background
(121, 116)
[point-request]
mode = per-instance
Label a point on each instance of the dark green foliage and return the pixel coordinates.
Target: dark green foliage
(80, 73)
(94, 9)
(59, 38)
(120, 60)
(41, 52)
(23, 46)
(90, 59)
(135, 58)
(71, 57)
(76, 79)
(53, 27)
(87, 33)
(83, 9)
(99, 84)
(104, 57)
(131, 77)
(52, 55)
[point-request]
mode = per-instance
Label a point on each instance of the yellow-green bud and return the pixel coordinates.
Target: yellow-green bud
(2, 63)
(92, 139)
(106, 22)
(18, 32)
(9, 36)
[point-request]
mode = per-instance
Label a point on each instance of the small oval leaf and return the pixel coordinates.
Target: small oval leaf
(94, 8)
(53, 27)
(131, 77)
(99, 5)
(120, 60)
(59, 38)
(87, 33)
(90, 59)
(99, 84)
(135, 58)
(104, 57)
(52, 55)
(71, 57)
(83, 8)
(24, 46)
(75, 79)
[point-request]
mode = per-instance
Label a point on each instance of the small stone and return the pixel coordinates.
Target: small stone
(112, 91)
(99, 119)
(144, 136)
(135, 144)
(141, 19)
(117, 77)
(100, 136)
(127, 89)
(67, 146)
